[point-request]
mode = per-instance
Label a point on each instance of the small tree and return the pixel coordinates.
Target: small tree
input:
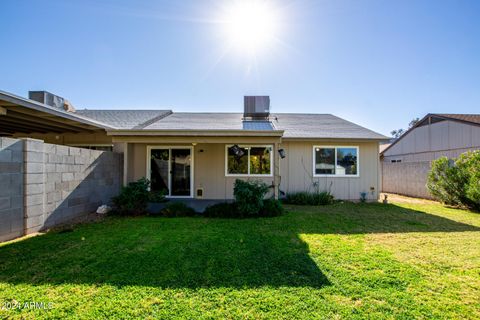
(399, 132)
(413, 122)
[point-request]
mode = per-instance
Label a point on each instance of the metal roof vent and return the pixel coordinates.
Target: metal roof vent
(51, 100)
(256, 107)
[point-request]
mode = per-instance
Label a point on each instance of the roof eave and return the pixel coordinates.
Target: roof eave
(335, 138)
(193, 133)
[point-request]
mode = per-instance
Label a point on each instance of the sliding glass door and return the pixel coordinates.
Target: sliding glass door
(159, 164)
(180, 176)
(171, 171)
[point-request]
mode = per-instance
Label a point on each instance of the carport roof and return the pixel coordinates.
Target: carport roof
(21, 115)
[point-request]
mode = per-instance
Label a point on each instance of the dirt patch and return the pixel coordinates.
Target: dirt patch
(404, 199)
(89, 218)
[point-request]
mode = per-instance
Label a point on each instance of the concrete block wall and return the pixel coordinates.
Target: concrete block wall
(11, 189)
(406, 178)
(58, 183)
(34, 181)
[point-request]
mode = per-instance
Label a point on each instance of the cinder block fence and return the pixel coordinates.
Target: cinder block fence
(406, 178)
(43, 185)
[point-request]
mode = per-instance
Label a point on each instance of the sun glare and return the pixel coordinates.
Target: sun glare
(250, 25)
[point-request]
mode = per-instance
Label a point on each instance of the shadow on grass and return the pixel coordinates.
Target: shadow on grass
(202, 253)
(162, 252)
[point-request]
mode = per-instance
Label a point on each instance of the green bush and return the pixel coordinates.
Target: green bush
(456, 182)
(177, 209)
(222, 210)
(249, 196)
(298, 198)
(446, 182)
(470, 164)
(271, 208)
(309, 198)
(134, 197)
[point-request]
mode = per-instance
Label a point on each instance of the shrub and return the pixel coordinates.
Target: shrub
(456, 182)
(249, 196)
(445, 182)
(177, 209)
(309, 198)
(271, 208)
(298, 198)
(469, 162)
(222, 210)
(322, 198)
(134, 197)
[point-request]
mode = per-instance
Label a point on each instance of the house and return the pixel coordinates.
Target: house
(199, 155)
(406, 162)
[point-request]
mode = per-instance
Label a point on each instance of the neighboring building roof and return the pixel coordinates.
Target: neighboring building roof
(473, 119)
(125, 119)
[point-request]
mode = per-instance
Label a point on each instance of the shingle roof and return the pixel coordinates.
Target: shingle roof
(198, 121)
(208, 121)
(294, 125)
(125, 119)
(300, 125)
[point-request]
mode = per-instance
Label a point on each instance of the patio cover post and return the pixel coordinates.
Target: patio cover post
(125, 163)
(276, 171)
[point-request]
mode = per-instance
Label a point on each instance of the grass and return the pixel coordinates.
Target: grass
(351, 261)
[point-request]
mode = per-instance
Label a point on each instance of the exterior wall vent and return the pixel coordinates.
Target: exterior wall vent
(256, 107)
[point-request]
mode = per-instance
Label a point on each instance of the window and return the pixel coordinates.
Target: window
(259, 160)
(99, 147)
(325, 161)
(255, 161)
(236, 164)
(335, 161)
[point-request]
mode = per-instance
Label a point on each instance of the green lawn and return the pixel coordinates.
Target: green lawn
(341, 261)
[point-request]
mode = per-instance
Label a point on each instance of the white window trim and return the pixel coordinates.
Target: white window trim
(248, 162)
(336, 175)
(169, 148)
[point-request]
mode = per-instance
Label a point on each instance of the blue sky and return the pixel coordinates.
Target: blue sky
(377, 63)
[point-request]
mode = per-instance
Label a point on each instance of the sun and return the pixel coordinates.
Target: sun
(250, 26)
